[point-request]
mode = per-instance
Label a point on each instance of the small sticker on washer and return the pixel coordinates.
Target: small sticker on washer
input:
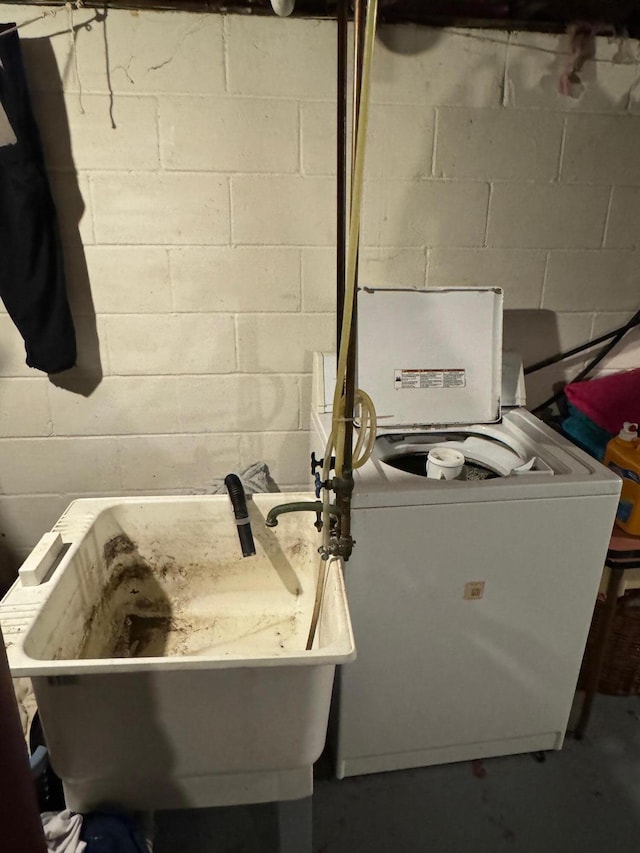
(445, 378)
(474, 590)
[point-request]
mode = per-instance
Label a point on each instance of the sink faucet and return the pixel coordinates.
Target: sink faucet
(298, 506)
(241, 513)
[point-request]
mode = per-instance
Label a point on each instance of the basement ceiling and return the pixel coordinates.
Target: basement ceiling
(546, 15)
(623, 16)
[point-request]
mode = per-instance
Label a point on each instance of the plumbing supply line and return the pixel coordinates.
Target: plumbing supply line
(350, 372)
(344, 486)
(339, 418)
(323, 574)
(354, 233)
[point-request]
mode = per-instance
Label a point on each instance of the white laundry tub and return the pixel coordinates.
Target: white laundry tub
(169, 670)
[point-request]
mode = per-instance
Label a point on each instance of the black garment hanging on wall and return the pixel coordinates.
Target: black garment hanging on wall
(32, 282)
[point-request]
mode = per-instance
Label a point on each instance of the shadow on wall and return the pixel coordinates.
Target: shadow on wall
(39, 60)
(408, 40)
(536, 334)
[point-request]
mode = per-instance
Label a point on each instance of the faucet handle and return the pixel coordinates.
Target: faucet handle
(318, 463)
(320, 484)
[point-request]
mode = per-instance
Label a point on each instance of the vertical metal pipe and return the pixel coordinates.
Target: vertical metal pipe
(346, 488)
(341, 164)
(21, 824)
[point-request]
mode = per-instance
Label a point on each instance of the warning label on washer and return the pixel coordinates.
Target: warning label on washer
(445, 378)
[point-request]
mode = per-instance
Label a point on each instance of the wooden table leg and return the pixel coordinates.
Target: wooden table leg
(594, 668)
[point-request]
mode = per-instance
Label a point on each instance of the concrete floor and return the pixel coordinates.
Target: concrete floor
(585, 798)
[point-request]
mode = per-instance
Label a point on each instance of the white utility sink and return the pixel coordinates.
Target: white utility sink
(170, 671)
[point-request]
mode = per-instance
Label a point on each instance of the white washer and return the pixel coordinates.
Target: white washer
(471, 599)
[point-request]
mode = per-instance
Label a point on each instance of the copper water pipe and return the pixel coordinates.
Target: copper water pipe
(21, 824)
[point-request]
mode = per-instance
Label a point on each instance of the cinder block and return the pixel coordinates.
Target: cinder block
(282, 343)
(592, 281)
(291, 59)
(156, 344)
(319, 279)
(176, 461)
(536, 61)
(425, 213)
(399, 140)
(498, 144)
(238, 403)
(120, 405)
(602, 150)
(153, 52)
(23, 519)
(229, 134)
(419, 65)
(72, 201)
(160, 208)
(85, 139)
(378, 267)
(286, 454)
(273, 210)
(118, 279)
(520, 272)
(552, 216)
(59, 465)
(235, 278)
(623, 227)
(383, 267)
(25, 408)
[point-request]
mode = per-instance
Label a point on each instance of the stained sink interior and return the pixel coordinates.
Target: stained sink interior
(156, 580)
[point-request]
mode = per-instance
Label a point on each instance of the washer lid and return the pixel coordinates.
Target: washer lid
(431, 357)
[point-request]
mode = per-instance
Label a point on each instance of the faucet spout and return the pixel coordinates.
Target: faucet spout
(239, 503)
(297, 506)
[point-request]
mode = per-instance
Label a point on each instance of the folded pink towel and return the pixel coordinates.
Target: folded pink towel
(608, 401)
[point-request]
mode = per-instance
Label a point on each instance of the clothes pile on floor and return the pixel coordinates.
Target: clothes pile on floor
(97, 832)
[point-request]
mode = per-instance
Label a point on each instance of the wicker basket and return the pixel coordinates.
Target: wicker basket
(620, 675)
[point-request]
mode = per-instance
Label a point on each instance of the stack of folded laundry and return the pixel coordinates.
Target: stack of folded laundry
(598, 408)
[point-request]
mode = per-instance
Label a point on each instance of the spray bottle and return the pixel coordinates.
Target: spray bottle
(623, 457)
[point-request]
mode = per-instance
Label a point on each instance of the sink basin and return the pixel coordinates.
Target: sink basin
(170, 671)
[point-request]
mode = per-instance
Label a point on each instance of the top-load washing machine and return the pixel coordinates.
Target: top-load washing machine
(470, 597)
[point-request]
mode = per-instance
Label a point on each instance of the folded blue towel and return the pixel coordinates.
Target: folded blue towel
(585, 433)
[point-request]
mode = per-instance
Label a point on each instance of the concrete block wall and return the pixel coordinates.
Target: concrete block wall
(192, 163)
